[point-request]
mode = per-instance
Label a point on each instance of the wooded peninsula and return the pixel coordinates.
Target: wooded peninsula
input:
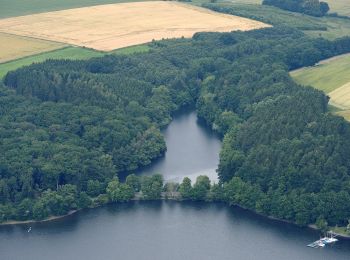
(68, 127)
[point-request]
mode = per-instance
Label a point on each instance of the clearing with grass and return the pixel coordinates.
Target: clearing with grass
(331, 76)
(109, 27)
(69, 53)
(14, 47)
(327, 75)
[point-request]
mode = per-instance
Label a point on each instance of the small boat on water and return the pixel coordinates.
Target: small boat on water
(29, 229)
(328, 239)
(317, 244)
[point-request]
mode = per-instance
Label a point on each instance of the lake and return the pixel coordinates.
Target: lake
(168, 229)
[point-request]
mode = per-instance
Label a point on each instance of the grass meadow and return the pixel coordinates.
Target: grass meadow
(11, 8)
(71, 53)
(326, 76)
(333, 77)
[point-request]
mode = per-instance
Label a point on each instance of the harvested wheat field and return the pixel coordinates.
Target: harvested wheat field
(13, 47)
(108, 27)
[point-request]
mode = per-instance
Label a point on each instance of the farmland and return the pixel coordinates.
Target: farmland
(71, 53)
(342, 7)
(327, 75)
(10, 8)
(13, 46)
(333, 77)
(345, 114)
(336, 27)
(327, 27)
(341, 96)
(128, 24)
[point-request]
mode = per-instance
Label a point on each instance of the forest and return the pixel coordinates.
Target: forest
(309, 7)
(68, 127)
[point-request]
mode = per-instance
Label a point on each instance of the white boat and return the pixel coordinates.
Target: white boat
(329, 238)
(320, 243)
(317, 244)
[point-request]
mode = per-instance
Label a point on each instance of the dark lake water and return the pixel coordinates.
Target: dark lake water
(192, 150)
(168, 230)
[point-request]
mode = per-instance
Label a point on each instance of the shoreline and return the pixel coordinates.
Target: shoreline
(164, 198)
(310, 226)
(32, 221)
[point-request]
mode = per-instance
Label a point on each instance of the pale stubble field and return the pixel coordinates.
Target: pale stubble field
(113, 26)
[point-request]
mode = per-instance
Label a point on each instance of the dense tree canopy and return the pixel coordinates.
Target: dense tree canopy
(310, 7)
(68, 127)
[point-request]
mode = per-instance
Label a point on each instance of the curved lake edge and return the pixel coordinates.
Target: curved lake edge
(185, 111)
(179, 200)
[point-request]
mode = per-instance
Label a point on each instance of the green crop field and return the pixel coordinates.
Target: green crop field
(72, 53)
(336, 27)
(327, 27)
(131, 50)
(66, 53)
(197, 2)
(10, 8)
(327, 76)
(333, 77)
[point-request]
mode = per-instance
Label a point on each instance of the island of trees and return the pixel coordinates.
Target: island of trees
(309, 7)
(68, 127)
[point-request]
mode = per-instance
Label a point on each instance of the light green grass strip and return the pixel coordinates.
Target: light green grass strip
(11, 8)
(71, 53)
(66, 53)
(131, 50)
(336, 27)
(327, 76)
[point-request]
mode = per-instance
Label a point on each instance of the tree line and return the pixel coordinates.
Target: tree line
(67, 198)
(309, 7)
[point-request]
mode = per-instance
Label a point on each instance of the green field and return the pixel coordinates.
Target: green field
(10, 8)
(258, 2)
(331, 76)
(72, 53)
(328, 27)
(336, 27)
(327, 76)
